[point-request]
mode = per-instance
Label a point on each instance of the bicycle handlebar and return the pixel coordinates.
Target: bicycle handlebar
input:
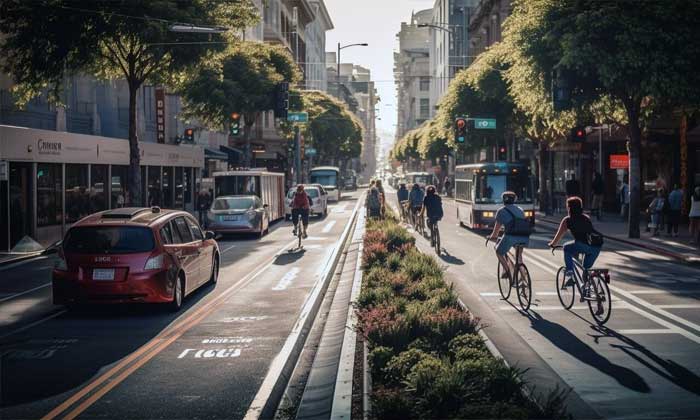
(555, 247)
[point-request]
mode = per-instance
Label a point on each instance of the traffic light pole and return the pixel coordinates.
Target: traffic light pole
(297, 155)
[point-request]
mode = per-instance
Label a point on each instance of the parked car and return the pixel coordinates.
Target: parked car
(238, 214)
(134, 255)
(319, 201)
(350, 183)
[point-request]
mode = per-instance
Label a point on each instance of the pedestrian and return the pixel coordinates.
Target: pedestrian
(382, 196)
(694, 216)
(675, 201)
(374, 204)
(598, 191)
(573, 188)
(625, 198)
(202, 202)
(656, 210)
(447, 184)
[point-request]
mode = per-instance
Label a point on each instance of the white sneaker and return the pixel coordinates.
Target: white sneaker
(569, 276)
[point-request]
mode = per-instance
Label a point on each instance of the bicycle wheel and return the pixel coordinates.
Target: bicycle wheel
(504, 284)
(601, 307)
(523, 286)
(436, 233)
(299, 234)
(566, 293)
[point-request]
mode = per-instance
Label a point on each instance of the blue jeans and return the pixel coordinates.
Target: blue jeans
(573, 248)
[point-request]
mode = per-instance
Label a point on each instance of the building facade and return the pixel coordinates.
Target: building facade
(412, 73)
(486, 25)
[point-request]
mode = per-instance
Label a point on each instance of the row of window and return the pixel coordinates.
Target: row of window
(181, 230)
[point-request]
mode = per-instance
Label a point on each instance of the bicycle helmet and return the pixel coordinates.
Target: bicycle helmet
(509, 197)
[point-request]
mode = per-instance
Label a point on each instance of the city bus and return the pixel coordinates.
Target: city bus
(423, 179)
(269, 186)
(329, 177)
(478, 189)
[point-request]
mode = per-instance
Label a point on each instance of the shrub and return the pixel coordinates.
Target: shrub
(375, 296)
(398, 238)
(374, 254)
(398, 368)
(378, 358)
(384, 326)
(417, 266)
(469, 340)
(391, 404)
(442, 326)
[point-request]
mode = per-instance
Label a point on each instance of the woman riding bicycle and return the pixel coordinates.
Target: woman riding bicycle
(586, 241)
(510, 217)
(415, 200)
(301, 204)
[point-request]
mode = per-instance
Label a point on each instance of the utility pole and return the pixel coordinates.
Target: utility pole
(297, 155)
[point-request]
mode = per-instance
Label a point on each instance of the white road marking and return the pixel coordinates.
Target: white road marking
(287, 279)
(24, 293)
(664, 291)
(227, 340)
(681, 306)
(646, 331)
(243, 318)
(328, 226)
(211, 353)
(228, 249)
(490, 294)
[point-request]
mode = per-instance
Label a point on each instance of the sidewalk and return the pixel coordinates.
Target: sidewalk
(613, 227)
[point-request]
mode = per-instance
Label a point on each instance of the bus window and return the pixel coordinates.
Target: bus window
(491, 186)
(324, 177)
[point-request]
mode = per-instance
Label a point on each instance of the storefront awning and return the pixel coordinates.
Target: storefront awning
(230, 150)
(214, 154)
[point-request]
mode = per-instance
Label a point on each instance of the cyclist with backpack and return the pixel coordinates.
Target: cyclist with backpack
(432, 206)
(517, 230)
(415, 200)
(587, 240)
(301, 204)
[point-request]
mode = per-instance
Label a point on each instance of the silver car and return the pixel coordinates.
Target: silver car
(319, 200)
(238, 214)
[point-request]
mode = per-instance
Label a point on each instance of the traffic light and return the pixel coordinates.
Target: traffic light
(235, 128)
(461, 130)
(502, 153)
(282, 100)
(578, 134)
(189, 135)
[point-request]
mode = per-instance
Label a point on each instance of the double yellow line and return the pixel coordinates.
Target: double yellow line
(147, 352)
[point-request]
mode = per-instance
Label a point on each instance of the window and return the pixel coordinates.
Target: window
(109, 240)
(154, 192)
(120, 186)
(179, 189)
(167, 181)
(424, 107)
(77, 196)
(166, 234)
(424, 84)
(49, 203)
(183, 230)
(174, 232)
(196, 231)
(98, 179)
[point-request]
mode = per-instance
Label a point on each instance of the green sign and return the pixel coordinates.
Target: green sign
(298, 117)
(485, 123)
(310, 151)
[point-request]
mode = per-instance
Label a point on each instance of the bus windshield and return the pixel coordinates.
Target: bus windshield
(489, 187)
(324, 177)
(420, 179)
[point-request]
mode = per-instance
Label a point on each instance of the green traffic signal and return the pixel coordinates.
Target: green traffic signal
(235, 127)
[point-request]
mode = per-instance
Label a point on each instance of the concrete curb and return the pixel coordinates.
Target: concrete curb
(273, 386)
(19, 258)
(652, 248)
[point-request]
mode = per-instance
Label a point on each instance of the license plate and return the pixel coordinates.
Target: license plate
(103, 274)
(230, 218)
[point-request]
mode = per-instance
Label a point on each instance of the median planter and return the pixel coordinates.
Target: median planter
(426, 357)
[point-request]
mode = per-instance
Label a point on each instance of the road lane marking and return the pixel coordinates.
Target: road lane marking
(16, 295)
(680, 306)
(211, 353)
(33, 324)
(227, 249)
(328, 227)
(287, 279)
(646, 331)
(665, 291)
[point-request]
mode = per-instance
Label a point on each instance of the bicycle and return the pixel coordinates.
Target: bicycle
(403, 206)
(520, 280)
(434, 235)
(584, 280)
(417, 221)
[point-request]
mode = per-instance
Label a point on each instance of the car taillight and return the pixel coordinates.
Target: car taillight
(155, 263)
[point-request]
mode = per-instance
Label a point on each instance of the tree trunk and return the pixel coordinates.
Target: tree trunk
(635, 146)
(134, 192)
(542, 166)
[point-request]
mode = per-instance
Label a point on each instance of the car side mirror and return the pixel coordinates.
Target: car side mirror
(210, 235)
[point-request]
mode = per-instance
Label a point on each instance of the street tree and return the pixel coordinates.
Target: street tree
(45, 40)
(630, 54)
(243, 79)
(333, 130)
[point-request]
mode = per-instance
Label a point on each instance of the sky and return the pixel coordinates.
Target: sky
(375, 22)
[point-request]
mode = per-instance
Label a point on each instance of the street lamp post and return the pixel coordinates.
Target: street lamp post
(337, 67)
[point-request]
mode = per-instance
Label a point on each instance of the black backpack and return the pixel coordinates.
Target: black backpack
(517, 226)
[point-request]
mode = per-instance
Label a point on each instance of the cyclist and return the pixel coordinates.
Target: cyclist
(402, 195)
(415, 199)
(517, 231)
(432, 205)
(301, 204)
(586, 241)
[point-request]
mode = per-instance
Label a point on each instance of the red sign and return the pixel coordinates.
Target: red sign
(619, 161)
(160, 115)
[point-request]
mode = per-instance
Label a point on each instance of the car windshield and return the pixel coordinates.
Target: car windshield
(237, 203)
(324, 177)
(421, 179)
(312, 192)
(108, 240)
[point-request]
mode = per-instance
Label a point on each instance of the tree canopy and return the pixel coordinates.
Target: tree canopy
(45, 40)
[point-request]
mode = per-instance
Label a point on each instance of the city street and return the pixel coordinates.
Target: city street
(642, 364)
(211, 358)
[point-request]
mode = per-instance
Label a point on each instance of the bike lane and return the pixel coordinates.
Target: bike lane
(642, 364)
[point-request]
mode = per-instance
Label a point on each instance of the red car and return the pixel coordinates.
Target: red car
(134, 255)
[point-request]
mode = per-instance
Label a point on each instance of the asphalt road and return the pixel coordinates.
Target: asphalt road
(643, 364)
(207, 361)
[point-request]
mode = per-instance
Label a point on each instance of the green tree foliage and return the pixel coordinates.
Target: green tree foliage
(242, 79)
(334, 131)
(44, 40)
(628, 54)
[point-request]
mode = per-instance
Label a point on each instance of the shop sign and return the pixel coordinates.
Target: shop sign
(619, 161)
(160, 115)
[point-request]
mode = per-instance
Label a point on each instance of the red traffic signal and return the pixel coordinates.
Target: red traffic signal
(189, 135)
(578, 134)
(460, 130)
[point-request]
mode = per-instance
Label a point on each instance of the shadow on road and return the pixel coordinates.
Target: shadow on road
(450, 259)
(566, 341)
(665, 368)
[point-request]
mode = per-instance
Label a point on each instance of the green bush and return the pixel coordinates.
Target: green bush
(399, 367)
(378, 358)
(391, 404)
